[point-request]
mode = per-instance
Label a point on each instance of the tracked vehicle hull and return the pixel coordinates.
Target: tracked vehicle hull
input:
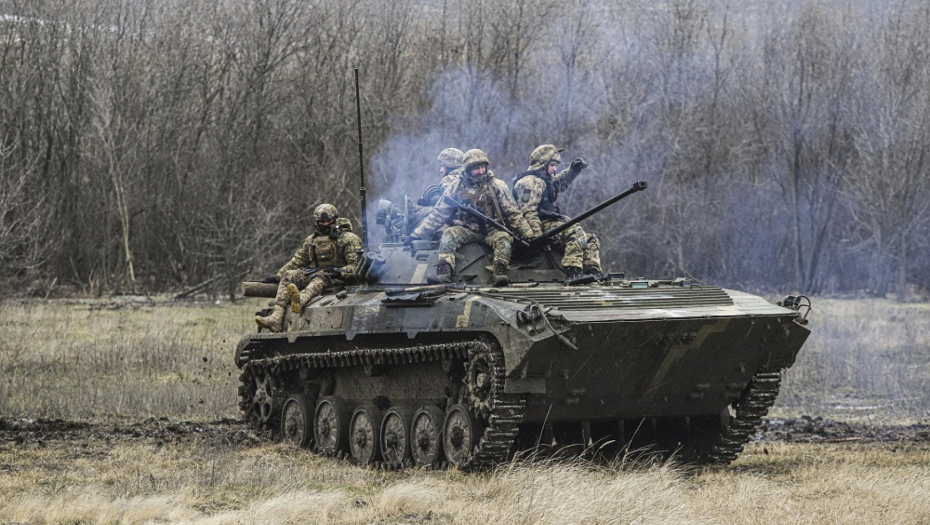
(407, 374)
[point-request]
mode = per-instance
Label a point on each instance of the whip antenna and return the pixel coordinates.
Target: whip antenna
(361, 166)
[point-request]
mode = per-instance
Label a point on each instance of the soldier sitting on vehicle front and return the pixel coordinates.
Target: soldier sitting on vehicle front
(479, 188)
(332, 248)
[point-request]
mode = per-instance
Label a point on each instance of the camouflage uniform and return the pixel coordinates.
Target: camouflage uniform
(536, 192)
(338, 249)
(490, 196)
(333, 246)
(451, 160)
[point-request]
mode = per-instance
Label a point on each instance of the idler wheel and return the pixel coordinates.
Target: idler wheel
(365, 434)
(258, 398)
(331, 426)
(461, 432)
(426, 436)
(395, 437)
(297, 420)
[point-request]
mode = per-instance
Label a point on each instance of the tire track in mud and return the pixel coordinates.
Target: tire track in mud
(157, 432)
(236, 434)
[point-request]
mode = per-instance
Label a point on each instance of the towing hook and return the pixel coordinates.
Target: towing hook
(797, 302)
(528, 315)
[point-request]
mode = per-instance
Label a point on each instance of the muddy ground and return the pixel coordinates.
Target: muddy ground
(231, 433)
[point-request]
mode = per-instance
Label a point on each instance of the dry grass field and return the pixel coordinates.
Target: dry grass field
(122, 411)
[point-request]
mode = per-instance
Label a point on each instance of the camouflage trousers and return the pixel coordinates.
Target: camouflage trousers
(314, 285)
(582, 250)
(455, 236)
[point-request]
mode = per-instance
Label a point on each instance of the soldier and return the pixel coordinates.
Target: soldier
(536, 191)
(478, 187)
(450, 167)
(332, 246)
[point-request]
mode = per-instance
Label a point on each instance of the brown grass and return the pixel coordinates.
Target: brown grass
(865, 359)
(273, 484)
(80, 359)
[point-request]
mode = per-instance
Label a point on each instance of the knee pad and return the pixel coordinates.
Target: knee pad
(578, 235)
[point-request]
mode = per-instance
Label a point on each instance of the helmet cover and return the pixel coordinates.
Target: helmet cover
(451, 158)
(544, 154)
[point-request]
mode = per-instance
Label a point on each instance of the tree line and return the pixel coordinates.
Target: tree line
(157, 145)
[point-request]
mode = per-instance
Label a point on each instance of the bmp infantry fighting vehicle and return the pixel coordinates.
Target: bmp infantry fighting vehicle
(398, 371)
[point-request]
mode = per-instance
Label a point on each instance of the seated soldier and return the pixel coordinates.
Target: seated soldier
(332, 246)
(450, 167)
(536, 191)
(479, 188)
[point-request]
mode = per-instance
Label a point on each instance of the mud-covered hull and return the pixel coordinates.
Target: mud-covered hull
(699, 365)
(662, 368)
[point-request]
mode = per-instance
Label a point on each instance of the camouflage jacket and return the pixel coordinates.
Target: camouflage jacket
(492, 197)
(529, 190)
(449, 179)
(338, 249)
(419, 212)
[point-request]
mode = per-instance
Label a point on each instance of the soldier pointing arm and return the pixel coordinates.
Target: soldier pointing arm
(536, 191)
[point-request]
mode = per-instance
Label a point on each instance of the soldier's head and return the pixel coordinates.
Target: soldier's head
(450, 159)
(325, 216)
(476, 166)
(545, 157)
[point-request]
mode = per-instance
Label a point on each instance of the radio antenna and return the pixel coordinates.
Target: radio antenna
(361, 166)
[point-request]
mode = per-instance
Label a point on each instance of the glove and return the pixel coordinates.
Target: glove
(577, 165)
(271, 279)
(538, 242)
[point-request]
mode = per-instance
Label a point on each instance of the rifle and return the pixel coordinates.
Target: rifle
(550, 235)
(487, 220)
(328, 270)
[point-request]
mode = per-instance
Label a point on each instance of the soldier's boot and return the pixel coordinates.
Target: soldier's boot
(294, 295)
(305, 295)
(273, 322)
(443, 274)
(572, 273)
(576, 277)
(594, 271)
(500, 274)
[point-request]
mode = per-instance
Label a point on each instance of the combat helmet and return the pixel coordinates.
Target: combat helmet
(324, 216)
(474, 157)
(451, 158)
(542, 155)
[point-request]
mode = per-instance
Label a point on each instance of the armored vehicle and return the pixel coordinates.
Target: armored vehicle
(398, 372)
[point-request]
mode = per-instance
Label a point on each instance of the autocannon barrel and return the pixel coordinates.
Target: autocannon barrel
(637, 186)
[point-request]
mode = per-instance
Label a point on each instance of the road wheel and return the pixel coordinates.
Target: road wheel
(331, 426)
(395, 437)
(297, 420)
(461, 432)
(426, 436)
(365, 434)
